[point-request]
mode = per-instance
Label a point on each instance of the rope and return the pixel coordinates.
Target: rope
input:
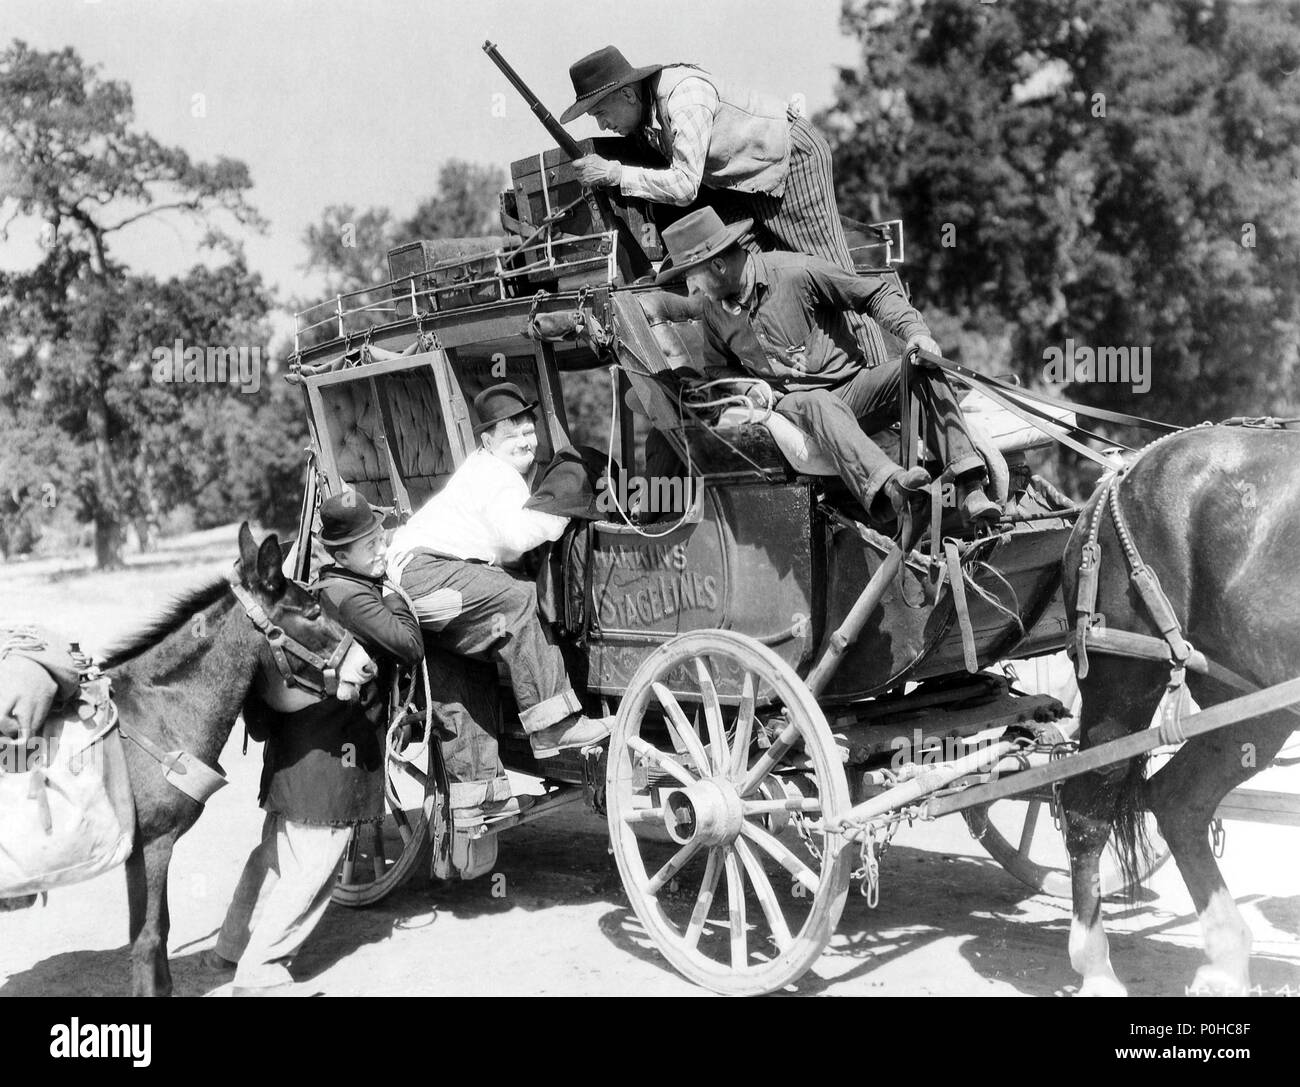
(612, 491)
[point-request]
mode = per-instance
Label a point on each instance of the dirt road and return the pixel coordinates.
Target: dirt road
(555, 920)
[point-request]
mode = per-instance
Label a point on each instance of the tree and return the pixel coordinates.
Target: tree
(1116, 173)
(350, 247)
(74, 161)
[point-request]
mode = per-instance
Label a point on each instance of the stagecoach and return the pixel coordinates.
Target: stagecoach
(790, 683)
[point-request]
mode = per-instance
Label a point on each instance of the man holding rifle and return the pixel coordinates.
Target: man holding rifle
(757, 157)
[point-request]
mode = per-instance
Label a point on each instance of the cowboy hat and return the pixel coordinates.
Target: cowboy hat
(346, 518)
(695, 238)
(598, 74)
(498, 402)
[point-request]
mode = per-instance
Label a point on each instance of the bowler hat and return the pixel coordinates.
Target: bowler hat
(601, 73)
(498, 402)
(695, 238)
(346, 518)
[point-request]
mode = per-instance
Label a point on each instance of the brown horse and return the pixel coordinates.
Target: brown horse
(181, 682)
(1215, 512)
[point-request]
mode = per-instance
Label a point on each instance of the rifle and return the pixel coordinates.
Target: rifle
(631, 253)
(566, 142)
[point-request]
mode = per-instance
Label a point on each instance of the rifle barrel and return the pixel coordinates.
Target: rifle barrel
(567, 143)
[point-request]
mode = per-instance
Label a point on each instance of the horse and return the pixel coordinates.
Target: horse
(1215, 513)
(180, 682)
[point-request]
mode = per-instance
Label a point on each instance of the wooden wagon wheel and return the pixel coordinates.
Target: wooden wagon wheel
(742, 795)
(1021, 833)
(381, 856)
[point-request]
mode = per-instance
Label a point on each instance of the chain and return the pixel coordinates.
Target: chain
(801, 826)
(871, 851)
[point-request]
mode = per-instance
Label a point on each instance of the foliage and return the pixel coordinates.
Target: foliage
(1112, 172)
(83, 418)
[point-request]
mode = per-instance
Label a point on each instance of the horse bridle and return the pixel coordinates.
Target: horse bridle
(282, 645)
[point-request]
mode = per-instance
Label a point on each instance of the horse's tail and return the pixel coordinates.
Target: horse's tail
(1129, 827)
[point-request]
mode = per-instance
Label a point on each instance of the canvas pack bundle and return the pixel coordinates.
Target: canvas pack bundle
(66, 809)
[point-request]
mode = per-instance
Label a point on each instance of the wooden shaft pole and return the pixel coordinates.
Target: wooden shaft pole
(1269, 700)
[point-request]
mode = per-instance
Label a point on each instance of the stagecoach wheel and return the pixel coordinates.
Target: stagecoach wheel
(381, 856)
(1022, 834)
(749, 889)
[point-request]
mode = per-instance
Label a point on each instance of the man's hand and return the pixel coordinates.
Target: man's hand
(27, 691)
(594, 170)
(925, 343)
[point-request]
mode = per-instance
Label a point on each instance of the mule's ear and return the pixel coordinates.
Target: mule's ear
(270, 571)
(247, 554)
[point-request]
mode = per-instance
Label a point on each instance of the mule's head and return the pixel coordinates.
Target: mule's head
(296, 612)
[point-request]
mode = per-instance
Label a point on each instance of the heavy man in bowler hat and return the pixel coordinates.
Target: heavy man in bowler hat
(452, 556)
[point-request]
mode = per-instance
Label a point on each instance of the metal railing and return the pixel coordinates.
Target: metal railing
(492, 274)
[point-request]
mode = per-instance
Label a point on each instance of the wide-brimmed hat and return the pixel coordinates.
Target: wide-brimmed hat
(695, 238)
(346, 518)
(498, 402)
(601, 73)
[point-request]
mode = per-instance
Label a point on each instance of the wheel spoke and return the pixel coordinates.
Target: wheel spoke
(665, 763)
(1027, 831)
(773, 755)
(377, 862)
(674, 865)
(744, 728)
(765, 894)
(683, 732)
(421, 778)
(704, 900)
(713, 718)
(350, 856)
(779, 853)
(736, 910)
(403, 824)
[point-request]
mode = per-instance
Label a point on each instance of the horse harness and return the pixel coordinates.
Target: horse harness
(190, 774)
(283, 645)
(1172, 647)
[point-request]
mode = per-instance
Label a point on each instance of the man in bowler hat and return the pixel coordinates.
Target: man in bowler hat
(453, 558)
(323, 764)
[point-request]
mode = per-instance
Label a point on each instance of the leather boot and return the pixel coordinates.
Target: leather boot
(575, 731)
(978, 510)
(906, 486)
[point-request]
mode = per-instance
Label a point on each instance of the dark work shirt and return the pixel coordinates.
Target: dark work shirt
(792, 330)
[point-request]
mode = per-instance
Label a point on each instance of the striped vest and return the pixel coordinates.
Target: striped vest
(749, 150)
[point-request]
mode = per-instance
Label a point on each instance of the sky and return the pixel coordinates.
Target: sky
(344, 101)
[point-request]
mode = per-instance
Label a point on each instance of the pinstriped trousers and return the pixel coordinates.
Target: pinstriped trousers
(805, 219)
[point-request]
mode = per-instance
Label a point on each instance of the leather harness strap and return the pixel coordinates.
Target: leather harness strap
(281, 645)
(958, 583)
(1171, 648)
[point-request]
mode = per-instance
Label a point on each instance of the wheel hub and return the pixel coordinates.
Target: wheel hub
(708, 812)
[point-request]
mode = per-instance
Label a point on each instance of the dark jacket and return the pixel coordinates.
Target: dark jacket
(324, 764)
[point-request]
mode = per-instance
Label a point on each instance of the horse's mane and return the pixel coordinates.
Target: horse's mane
(177, 611)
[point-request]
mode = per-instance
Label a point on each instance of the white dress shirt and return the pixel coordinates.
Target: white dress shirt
(479, 514)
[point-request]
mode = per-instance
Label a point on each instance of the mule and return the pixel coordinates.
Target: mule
(181, 682)
(1215, 512)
